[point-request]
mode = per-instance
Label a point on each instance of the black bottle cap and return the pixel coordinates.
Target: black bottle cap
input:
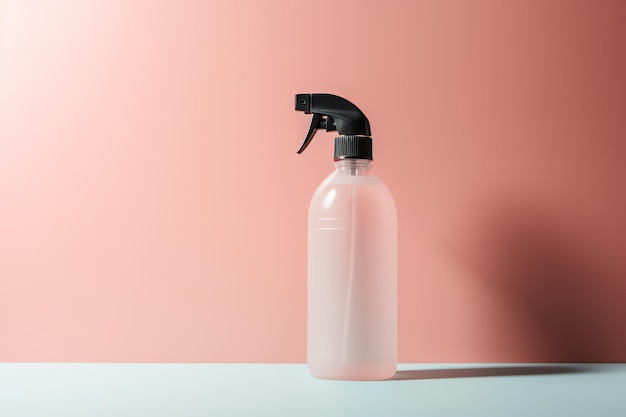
(353, 147)
(331, 113)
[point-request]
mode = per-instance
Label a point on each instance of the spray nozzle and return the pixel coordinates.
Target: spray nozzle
(331, 113)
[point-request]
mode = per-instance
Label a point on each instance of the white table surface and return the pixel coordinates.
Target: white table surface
(133, 389)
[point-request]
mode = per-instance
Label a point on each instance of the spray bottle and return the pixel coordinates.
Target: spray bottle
(352, 253)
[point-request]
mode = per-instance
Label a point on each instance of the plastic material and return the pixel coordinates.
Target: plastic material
(359, 147)
(352, 265)
(331, 113)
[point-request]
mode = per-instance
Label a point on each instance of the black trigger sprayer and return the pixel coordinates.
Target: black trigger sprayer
(334, 113)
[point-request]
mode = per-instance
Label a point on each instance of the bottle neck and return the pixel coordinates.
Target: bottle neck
(353, 167)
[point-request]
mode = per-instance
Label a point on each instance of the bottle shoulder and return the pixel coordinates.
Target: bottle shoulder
(337, 195)
(337, 177)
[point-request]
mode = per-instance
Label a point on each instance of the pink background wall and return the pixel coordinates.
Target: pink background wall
(153, 208)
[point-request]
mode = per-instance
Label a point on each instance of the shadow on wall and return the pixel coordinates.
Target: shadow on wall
(555, 281)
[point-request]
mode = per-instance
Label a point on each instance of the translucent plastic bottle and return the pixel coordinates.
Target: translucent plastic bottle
(352, 253)
(352, 276)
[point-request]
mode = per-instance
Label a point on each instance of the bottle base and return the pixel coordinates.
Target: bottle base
(371, 374)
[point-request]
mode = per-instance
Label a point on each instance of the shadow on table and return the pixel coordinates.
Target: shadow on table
(487, 371)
